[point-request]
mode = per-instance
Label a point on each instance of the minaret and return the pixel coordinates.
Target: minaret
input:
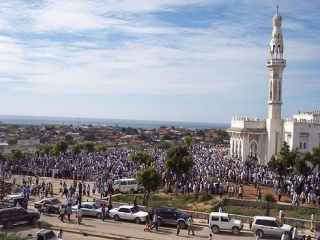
(276, 65)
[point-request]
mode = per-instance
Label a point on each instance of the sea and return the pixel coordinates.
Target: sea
(144, 124)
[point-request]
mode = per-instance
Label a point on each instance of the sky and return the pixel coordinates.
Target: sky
(170, 60)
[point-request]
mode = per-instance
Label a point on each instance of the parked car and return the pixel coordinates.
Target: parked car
(12, 215)
(53, 204)
(91, 209)
(171, 215)
(270, 226)
(219, 221)
(13, 200)
(128, 212)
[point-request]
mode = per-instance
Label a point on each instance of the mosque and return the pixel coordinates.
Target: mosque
(264, 139)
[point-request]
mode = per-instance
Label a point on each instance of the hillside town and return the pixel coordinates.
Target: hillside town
(28, 138)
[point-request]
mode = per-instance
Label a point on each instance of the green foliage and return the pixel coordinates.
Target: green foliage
(68, 138)
(269, 198)
(16, 154)
(42, 224)
(141, 158)
(2, 157)
(247, 211)
(149, 178)
(178, 160)
(6, 236)
(88, 147)
(76, 148)
(166, 136)
(203, 196)
(101, 148)
(44, 149)
(162, 145)
(12, 141)
(314, 158)
(129, 131)
(61, 146)
(285, 162)
(187, 140)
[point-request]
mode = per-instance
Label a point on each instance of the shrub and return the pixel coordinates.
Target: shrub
(42, 224)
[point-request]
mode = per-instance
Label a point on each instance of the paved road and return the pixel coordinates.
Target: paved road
(122, 230)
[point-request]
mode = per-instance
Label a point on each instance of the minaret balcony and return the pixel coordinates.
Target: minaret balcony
(276, 62)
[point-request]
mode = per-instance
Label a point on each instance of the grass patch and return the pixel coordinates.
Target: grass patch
(42, 224)
(246, 211)
(305, 213)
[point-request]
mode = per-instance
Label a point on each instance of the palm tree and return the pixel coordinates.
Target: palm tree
(269, 198)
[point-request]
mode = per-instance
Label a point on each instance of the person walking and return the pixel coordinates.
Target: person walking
(62, 212)
(69, 212)
(210, 236)
(295, 233)
(155, 221)
(79, 215)
(312, 222)
(178, 227)
(190, 225)
(281, 215)
(103, 211)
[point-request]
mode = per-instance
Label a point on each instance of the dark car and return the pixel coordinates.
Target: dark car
(10, 216)
(171, 215)
(53, 204)
(13, 200)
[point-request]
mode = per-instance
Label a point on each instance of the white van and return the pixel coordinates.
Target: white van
(125, 185)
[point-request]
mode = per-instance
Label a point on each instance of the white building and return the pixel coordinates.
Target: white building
(263, 139)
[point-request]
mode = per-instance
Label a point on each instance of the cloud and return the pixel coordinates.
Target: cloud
(151, 48)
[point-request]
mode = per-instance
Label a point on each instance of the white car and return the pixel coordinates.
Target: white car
(91, 209)
(219, 221)
(270, 226)
(128, 212)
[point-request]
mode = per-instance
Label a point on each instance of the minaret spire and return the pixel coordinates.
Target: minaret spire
(276, 43)
(275, 65)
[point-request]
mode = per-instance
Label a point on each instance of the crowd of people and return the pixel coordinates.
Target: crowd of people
(214, 171)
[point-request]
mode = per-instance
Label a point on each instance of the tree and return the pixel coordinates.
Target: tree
(187, 140)
(61, 146)
(283, 164)
(88, 147)
(301, 164)
(68, 138)
(141, 158)
(2, 157)
(100, 148)
(269, 198)
(166, 136)
(162, 145)
(151, 180)
(76, 148)
(178, 160)
(44, 149)
(16, 153)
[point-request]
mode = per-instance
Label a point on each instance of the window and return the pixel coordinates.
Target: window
(214, 218)
(224, 219)
(124, 210)
(300, 145)
(304, 145)
(123, 183)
